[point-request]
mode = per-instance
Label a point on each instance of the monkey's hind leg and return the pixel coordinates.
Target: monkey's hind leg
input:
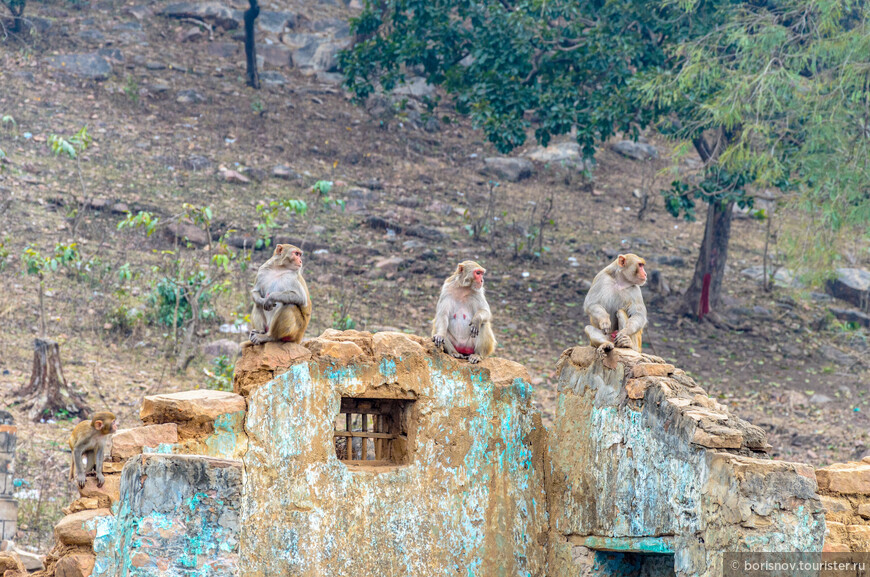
(599, 340)
(286, 325)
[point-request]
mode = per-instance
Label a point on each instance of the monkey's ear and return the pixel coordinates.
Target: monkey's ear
(98, 424)
(460, 268)
(621, 260)
(279, 249)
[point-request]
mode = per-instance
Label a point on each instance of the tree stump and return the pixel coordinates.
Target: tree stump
(48, 393)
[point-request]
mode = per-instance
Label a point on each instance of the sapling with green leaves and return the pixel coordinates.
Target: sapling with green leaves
(73, 147)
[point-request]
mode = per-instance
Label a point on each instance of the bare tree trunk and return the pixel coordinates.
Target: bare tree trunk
(48, 393)
(250, 43)
(702, 296)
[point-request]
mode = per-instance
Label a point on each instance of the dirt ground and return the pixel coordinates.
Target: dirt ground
(798, 374)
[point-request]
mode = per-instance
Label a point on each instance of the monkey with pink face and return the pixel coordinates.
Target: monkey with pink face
(615, 303)
(463, 321)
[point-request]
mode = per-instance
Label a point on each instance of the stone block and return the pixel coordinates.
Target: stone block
(835, 504)
(845, 478)
(717, 438)
(129, 442)
(260, 363)
(864, 510)
(83, 504)
(110, 490)
(859, 536)
(177, 511)
(193, 411)
(75, 565)
(78, 528)
(834, 547)
(396, 345)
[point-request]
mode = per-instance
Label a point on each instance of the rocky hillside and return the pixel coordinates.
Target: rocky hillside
(161, 90)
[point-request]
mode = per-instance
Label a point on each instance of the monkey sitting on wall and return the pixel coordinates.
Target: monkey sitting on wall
(282, 307)
(614, 300)
(90, 439)
(463, 321)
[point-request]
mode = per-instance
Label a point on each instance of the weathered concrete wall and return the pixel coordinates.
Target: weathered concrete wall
(178, 516)
(8, 504)
(470, 501)
(642, 474)
(643, 461)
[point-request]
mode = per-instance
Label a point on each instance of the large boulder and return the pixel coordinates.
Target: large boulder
(853, 286)
(211, 12)
(509, 169)
(91, 66)
(635, 150)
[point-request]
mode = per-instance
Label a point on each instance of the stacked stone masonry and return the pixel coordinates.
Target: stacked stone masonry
(448, 471)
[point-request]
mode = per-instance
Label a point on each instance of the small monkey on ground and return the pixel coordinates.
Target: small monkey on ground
(282, 307)
(90, 439)
(463, 321)
(614, 302)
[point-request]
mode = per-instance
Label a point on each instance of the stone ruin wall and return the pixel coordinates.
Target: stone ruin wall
(642, 473)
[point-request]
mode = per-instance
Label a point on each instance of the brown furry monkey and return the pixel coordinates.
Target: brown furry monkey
(282, 307)
(463, 321)
(90, 439)
(615, 301)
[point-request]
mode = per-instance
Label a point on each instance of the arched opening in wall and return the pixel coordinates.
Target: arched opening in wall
(373, 432)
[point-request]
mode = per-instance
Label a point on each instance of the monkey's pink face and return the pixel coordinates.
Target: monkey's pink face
(477, 278)
(296, 256)
(641, 272)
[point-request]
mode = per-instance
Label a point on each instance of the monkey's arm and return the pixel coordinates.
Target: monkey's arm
(288, 297)
(636, 317)
(481, 317)
(600, 317)
(258, 298)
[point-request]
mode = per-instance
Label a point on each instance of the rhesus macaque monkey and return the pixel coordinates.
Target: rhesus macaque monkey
(463, 321)
(90, 439)
(282, 307)
(614, 302)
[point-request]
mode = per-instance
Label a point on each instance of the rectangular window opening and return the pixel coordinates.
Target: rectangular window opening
(372, 432)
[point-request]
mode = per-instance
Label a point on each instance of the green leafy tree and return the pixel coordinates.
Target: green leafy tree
(40, 266)
(749, 86)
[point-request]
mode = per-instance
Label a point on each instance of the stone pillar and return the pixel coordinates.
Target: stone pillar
(8, 505)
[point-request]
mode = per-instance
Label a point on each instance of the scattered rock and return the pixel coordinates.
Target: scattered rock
(853, 286)
(564, 153)
(191, 34)
(186, 231)
(90, 66)
(196, 162)
(285, 173)
(189, 97)
(275, 22)
(92, 36)
(234, 177)
(325, 58)
(835, 504)
(782, 277)
(211, 12)
(635, 150)
(228, 50)
(272, 78)
(221, 348)
(302, 48)
(255, 174)
(111, 55)
(851, 316)
(337, 27)
(276, 55)
(31, 561)
(820, 399)
(510, 169)
(835, 355)
(416, 87)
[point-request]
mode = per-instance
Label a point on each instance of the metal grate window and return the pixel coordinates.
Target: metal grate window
(371, 432)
